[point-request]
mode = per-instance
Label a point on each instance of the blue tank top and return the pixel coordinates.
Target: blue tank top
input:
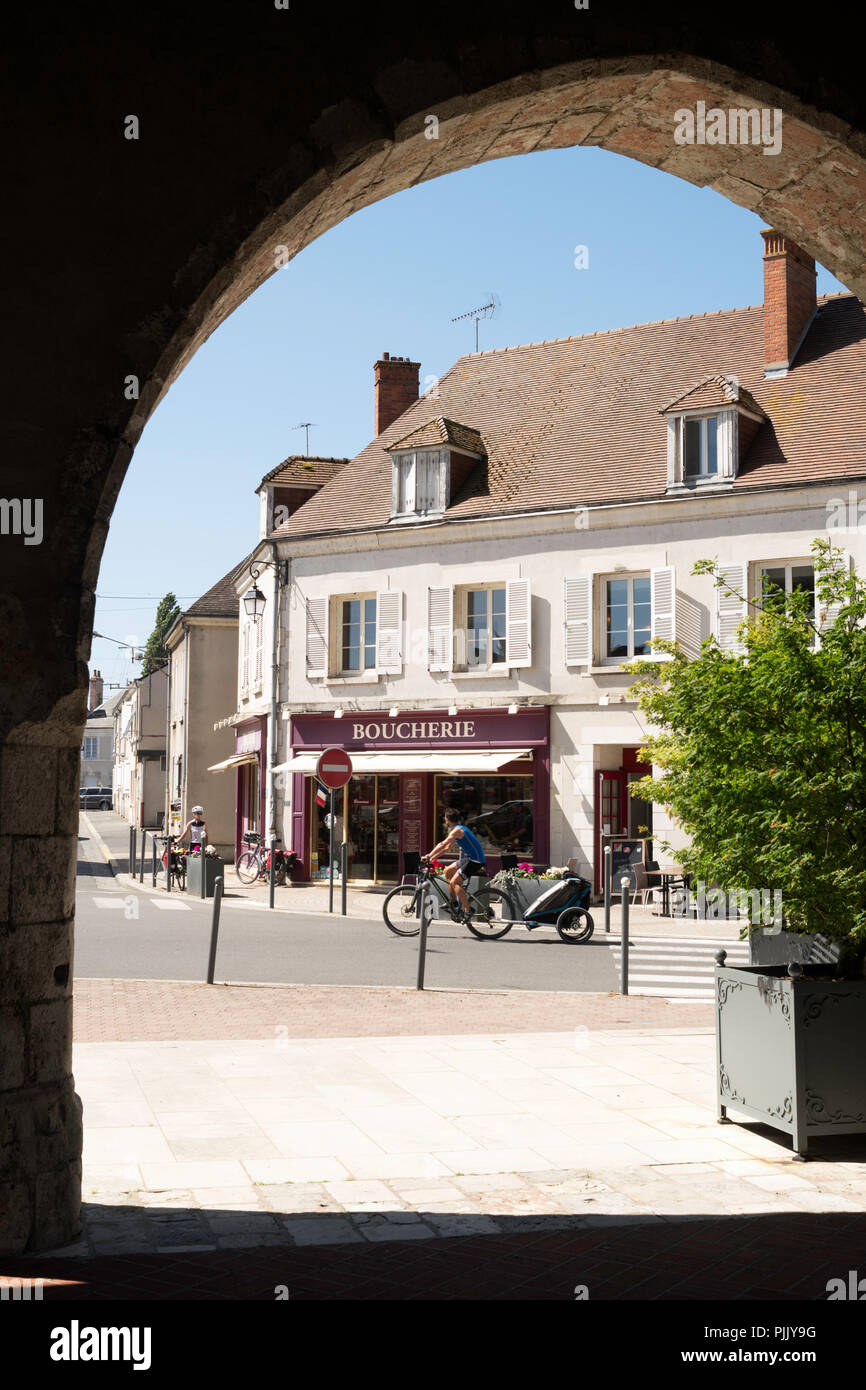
(470, 846)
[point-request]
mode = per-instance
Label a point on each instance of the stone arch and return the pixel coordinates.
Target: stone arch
(355, 136)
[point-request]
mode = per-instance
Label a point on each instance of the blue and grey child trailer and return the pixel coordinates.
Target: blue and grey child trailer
(565, 893)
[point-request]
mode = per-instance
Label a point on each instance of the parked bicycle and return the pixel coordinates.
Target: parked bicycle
(254, 862)
(491, 911)
(178, 866)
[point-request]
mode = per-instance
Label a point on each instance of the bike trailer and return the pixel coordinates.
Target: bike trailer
(573, 891)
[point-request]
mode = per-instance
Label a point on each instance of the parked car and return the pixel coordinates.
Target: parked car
(95, 799)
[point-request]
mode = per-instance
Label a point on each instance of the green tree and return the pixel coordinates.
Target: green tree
(155, 653)
(761, 756)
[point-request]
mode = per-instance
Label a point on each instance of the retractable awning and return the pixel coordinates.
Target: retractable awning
(488, 760)
(234, 761)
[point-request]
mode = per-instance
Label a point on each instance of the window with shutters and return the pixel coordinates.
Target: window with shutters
(355, 636)
(90, 749)
(479, 628)
(702, 448)
(245, 659)
(777, 579)
(610, 619)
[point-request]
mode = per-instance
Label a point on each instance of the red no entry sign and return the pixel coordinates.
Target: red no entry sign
(334, 768)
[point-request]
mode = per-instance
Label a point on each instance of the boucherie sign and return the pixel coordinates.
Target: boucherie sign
(429, 729)
(414, 731)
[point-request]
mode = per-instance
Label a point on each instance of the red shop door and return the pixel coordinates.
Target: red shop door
(611, 814)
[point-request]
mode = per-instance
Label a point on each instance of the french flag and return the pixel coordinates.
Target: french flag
(321, 795)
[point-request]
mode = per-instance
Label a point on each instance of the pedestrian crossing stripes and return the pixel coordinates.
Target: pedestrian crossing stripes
(164, 904)
(676, 967)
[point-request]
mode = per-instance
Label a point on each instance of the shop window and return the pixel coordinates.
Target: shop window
(498, 809)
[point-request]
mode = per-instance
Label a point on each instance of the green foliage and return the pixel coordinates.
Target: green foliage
(761, 757)
(155, 654)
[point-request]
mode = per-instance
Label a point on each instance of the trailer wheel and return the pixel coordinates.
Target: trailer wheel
(575, 925)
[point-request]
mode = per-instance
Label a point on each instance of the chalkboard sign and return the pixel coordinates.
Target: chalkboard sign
(624, 854)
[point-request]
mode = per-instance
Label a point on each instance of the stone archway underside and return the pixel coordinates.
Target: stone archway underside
(132, 253)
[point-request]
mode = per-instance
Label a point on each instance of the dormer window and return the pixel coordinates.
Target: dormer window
(419, 482)
(429, 466)
(710, 429)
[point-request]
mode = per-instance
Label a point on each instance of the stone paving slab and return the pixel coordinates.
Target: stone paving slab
(407, 1138)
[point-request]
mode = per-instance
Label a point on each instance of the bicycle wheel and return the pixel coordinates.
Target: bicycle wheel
(575, 925)
(398, 909)
(179, 871)
(491, 914)
(248, 866)
(279, 871)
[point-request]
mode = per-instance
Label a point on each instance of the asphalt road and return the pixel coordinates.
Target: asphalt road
(136, 935)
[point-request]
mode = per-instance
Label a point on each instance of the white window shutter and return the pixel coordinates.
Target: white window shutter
(245, 658)
(828, 613)
(730, 608)
(389, 632)
(440, 628)
(518, 623)
(578, 620)
(663, 601)
(317, 636)
(260, 641)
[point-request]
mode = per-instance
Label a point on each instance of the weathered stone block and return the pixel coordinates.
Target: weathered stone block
(29, 958)
(43, 879)
(29, 790)
(15, 1217)
(13, 1048)
(68, 782)
(51, 1040)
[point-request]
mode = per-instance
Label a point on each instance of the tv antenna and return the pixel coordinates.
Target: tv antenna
(306, 425)
(486, 311)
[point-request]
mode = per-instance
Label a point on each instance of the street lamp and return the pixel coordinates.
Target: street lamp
(254, 599)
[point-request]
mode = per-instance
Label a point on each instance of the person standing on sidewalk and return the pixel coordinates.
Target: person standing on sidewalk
(196, 828)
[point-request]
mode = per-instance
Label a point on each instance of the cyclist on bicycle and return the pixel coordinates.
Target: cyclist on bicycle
(471, 860)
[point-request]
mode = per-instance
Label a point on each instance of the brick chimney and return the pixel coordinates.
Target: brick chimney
(396, 388)
(95, 690)
(789, 298)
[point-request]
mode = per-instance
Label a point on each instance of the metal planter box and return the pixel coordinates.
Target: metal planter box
(213, 868)
(524, 891)
(790, 1052)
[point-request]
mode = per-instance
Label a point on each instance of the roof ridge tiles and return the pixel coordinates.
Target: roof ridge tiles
(630, 327)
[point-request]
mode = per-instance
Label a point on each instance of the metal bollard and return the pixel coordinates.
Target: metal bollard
(215, 928)
(141, 860)
(203, 894)
(133, 849)
(272, 870)
(424, 907)
(168, 840)
(154, 864)
(623, 963)
(344, 865)
(607, 879)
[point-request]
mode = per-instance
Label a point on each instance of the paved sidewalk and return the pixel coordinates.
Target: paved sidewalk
(111, 833)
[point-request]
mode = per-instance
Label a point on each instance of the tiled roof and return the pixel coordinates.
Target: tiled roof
(576, 421)
(442, 431)
(302, 471)
(716, 390)
(221, 601)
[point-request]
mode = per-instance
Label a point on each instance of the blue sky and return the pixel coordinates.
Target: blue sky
(389, 280)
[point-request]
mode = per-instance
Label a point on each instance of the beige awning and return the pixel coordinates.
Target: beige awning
(234, 761)
(464, 760)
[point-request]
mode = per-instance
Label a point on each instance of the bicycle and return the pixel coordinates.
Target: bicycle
(254, 862)
(178, 866)
(491, 912)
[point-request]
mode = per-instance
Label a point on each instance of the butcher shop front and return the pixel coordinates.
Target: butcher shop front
(492, 766)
